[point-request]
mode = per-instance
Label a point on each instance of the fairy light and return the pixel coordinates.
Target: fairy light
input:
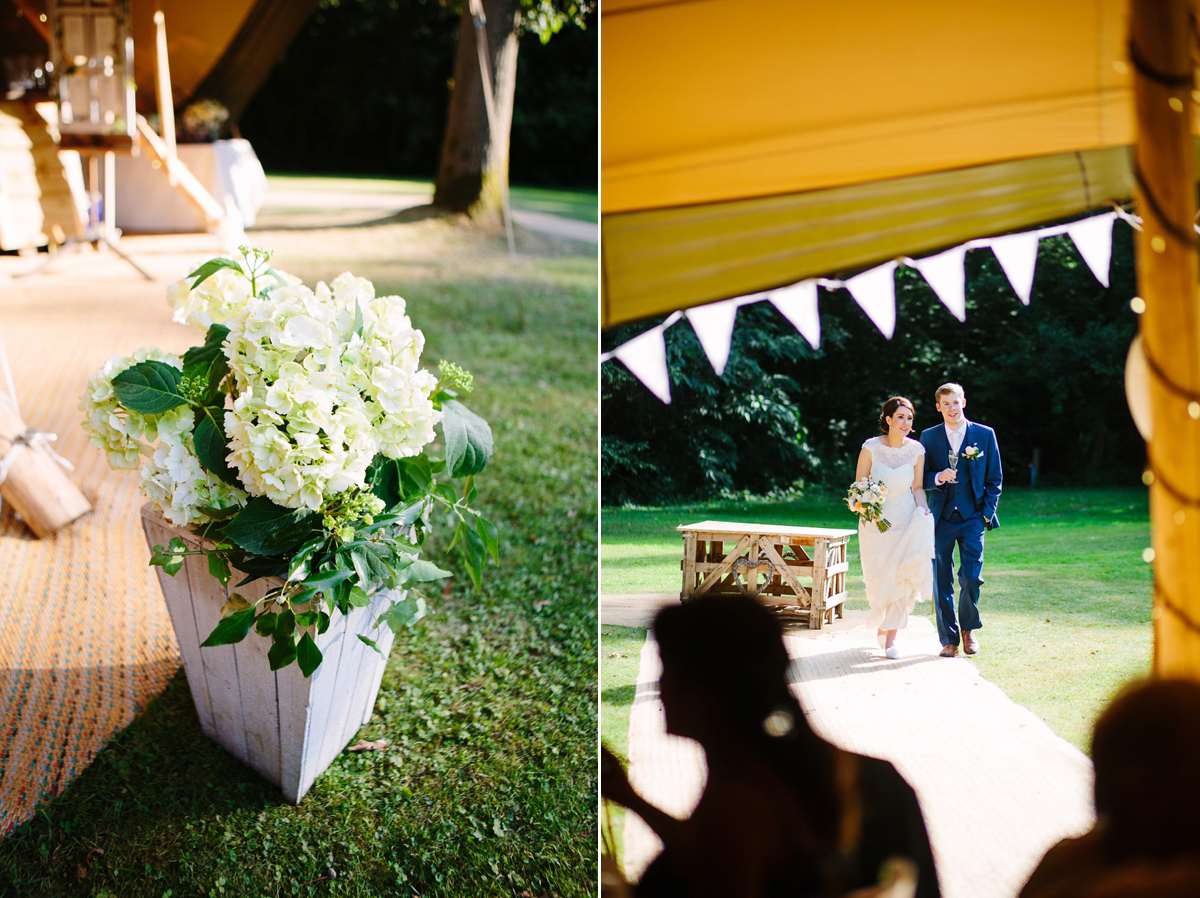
(1148, 554)
(1138, 305)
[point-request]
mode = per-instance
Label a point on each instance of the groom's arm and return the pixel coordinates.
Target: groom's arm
(993, 477)
(931, 472)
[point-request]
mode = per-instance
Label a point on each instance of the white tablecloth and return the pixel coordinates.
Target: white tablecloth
(147, 203)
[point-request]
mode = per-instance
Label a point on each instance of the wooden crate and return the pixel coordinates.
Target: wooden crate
(803, 567)
(286, 727)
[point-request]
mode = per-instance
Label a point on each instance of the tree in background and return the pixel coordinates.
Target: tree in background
(472, 172)
(365, 87)
(1048, 377)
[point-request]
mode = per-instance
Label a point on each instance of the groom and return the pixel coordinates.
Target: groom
(963, 503)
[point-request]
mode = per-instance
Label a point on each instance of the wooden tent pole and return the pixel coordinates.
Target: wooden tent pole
(1160, 34)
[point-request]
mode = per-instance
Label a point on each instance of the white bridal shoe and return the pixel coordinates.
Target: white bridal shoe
(892, 652)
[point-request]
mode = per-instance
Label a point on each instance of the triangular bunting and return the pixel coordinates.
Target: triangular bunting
(944, 273)
(646, 358)
(798, 304)
(1017, 255)
(875, 292)
(713, 324)
(1093, 239)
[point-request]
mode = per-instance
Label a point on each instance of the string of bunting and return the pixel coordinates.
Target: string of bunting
(875, 292)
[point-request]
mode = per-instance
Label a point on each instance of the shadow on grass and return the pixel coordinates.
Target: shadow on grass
(619, 695)
(159, 772)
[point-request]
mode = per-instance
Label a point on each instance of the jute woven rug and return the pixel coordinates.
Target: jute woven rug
(85, 640)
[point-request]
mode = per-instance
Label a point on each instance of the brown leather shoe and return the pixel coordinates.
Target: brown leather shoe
(970, 643)
(949, 651)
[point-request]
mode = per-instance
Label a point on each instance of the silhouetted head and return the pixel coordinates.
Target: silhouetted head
(729, 652)
(1145, 747)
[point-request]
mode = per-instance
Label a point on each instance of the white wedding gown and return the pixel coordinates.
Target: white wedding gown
(896, 564)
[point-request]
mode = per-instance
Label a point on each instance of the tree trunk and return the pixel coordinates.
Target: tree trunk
(473, 169)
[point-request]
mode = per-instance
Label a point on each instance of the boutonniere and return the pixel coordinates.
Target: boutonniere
(972, 453)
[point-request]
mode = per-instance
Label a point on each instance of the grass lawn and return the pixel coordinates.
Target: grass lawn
(577, 204)
(1066, 606)
(489, 704)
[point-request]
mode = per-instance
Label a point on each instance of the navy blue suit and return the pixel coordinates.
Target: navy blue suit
(962, 511)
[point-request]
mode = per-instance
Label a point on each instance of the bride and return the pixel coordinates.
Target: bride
(896, 564)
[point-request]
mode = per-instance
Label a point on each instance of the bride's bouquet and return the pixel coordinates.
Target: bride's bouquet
(865, 499)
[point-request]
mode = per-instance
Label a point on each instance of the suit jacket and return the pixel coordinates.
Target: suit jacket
(984, 474)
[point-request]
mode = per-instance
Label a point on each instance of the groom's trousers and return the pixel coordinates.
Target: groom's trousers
(967, 534)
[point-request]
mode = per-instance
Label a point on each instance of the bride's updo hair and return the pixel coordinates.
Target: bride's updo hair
(889, 409)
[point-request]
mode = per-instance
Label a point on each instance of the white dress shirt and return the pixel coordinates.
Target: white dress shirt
(956, 437)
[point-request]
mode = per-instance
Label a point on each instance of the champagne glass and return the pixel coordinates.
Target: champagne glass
(953, 461)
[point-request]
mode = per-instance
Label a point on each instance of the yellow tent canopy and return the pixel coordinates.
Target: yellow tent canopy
(751, 143)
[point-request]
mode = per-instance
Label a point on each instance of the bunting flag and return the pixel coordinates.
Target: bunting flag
(875, 292)
(798, 304)
(944, 273)
(713, 325)
(646, 358)
(1017, 255)
(1093, 239)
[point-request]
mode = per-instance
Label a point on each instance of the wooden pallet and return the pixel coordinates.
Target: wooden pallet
(803, 567)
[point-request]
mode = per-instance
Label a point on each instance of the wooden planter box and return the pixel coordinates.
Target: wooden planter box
(287, 728)
(730, 557)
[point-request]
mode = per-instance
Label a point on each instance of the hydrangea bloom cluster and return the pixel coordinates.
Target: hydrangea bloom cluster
(125, 436)
(324, 380)
(171, 476)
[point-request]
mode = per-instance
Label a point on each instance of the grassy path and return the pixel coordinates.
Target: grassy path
(1066, 604)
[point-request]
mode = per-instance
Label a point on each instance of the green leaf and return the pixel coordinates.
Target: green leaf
(266, 622)
(219, 568)
(370, 642)
(472, 552)
(212, 349)
(421, 571)
(326, 580)
(264, 528)
(406, 611)
(232, 629)
(468, 440)
(490, 536)
(219, 514)
(234, 604)
(167, 559)
(308, 656)
(149, 388)
(285, 627)
(301, 562)
(358, 597)
(307, 618)
(212, 446)
(211, 267)
(209, 361)
(281, 654)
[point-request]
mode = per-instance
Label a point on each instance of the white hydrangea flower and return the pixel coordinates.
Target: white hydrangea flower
(318, 395)
(124, 436)
(221, 296)
(174, 480)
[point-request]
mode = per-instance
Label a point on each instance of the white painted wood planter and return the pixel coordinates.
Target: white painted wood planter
(287, 728)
